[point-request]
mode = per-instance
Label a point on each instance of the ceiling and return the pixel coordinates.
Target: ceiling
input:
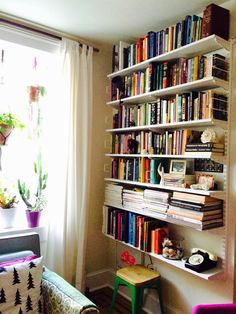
(104, 21)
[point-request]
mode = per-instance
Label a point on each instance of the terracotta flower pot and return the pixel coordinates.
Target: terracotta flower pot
(33, 218)
(5, 131)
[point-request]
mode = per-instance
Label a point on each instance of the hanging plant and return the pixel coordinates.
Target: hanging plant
(8, 121)
(35, 92)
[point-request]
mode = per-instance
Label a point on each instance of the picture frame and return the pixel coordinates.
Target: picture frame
(178, 167)
(206, 179)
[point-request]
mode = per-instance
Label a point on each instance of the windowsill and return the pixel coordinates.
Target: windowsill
(41, 230)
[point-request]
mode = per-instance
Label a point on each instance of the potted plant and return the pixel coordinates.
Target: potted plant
(8, 121)
(7, 208)
(35, 203)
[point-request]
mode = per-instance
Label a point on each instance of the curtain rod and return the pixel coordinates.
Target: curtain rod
(42, 30)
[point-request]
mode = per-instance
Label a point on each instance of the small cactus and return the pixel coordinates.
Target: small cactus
(39, 201)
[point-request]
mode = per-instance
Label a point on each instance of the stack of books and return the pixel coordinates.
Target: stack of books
(133, 199)
(179, 180)
(196, 211)
(156, 201)
(216, 148)
(113, 194)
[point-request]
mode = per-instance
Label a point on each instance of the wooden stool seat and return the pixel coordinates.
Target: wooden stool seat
(138, 275)
(137, 278)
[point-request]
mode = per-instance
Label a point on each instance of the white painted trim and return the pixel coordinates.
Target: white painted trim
(41, 230)
(28, 38)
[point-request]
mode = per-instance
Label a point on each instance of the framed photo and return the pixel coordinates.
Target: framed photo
(206, 179)
(178, 166)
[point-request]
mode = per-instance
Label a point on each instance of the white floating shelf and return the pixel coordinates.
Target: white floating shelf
(205, 83)
(177, 125)
(162, 217)
(188, 155)
(212, 274)
(217, 194)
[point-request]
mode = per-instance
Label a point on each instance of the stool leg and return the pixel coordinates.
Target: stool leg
(116, 287)
(159, 291)
(137, 299)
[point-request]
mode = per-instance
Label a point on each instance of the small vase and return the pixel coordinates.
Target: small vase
(33, 218)
(8, 216)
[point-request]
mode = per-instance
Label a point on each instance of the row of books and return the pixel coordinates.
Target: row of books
(182, 107)
(137, 230)
(169, 73)
(156, 43)
(148, 142)
(196, 211)
(136, 169)
(188, 30)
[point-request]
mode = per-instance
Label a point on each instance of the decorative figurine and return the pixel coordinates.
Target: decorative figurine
(209, 135)
(160, 171)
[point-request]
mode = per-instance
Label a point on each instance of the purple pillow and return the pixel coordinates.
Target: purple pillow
(17, 261)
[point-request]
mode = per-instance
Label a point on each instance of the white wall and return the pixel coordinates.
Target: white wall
(97, 253)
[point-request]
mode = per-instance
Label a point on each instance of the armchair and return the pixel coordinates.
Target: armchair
(57, 294)
(227, 308)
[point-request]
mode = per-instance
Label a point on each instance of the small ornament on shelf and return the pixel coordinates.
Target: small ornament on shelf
(160, 171)
(209, 136)
(172, 249)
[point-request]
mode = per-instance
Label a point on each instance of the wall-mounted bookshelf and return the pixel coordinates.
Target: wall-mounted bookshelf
(129, 90)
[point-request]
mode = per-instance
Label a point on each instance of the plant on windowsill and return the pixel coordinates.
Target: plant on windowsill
(8, 122)
(37, 202)
(7, 208)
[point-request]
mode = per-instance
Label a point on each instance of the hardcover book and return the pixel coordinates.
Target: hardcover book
(196, 206)
(115, 58)
(215, 21)
(198, 215)
(202, 199)
(199, 225)
(123, 55)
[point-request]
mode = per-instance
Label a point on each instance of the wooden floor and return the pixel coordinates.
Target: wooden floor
(102, 298)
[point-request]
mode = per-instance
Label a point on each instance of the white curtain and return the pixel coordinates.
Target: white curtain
(69, 171)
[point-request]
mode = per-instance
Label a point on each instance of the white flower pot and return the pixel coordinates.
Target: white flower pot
(7, 217)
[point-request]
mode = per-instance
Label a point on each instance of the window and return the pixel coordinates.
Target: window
(25, 70)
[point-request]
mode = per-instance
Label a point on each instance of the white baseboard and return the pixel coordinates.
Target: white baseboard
(105, 278)
(100, 279)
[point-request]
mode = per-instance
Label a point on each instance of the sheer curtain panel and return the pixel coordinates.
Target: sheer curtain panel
(70, 156)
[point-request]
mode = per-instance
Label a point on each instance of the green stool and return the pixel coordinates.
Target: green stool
(137, 278)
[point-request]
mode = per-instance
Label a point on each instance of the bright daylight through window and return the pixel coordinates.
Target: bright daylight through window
(27, 84)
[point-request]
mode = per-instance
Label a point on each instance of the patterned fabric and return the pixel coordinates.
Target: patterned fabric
(61, 298)
(20, 288)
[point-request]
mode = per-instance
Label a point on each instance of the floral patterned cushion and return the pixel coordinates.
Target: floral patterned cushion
(61, 298)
